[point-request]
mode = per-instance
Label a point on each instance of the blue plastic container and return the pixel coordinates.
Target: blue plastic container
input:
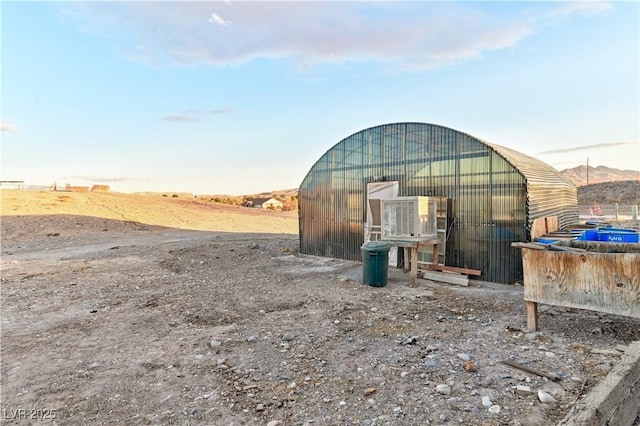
(545, 241)
(624, 230)
(618, 236)
(589, 235)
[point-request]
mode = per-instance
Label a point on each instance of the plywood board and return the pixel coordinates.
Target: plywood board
(604, 282)
(543, 225)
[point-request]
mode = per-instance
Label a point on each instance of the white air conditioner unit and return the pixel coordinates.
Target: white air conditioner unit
(409, 219)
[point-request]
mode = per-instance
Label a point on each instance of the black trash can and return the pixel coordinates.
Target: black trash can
(375, 263)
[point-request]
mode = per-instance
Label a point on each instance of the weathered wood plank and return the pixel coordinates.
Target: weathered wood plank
(535, 371)
(615, 400)
(555, 247)
(601, 247)
(414, 266)
(406, 259)
(539, 246)
(533, 246)
(435, 257)
(408, 243)
(532, 316)
(466, 271)
(604, 282)
(446, 278)
(543, 225)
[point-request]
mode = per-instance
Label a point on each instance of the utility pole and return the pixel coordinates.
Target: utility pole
(587, 170)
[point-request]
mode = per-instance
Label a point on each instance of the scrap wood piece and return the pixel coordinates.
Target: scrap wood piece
(565, 248)
(446, 277)
(465, 271)
(534, 246)
(553, 247)
(514, 364)
(613, 352)
(27, 276)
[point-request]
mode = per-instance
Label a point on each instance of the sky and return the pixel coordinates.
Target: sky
(239, 97)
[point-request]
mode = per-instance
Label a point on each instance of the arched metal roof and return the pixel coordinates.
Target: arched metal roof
(534, 171)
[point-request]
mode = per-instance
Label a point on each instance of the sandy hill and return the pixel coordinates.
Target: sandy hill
(283, 193)
(578, 175)
(173, 211)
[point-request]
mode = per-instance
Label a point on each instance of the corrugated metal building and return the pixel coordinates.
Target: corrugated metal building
(492, 194)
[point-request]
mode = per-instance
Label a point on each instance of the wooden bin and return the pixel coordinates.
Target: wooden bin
(577, 278)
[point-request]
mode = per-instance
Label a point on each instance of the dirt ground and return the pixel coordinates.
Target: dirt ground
(118, 309)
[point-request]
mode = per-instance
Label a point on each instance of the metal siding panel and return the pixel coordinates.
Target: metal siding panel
(433, 160)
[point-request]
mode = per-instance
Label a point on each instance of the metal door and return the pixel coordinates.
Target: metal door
(373, 227)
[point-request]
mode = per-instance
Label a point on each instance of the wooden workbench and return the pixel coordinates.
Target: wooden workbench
(411, 254)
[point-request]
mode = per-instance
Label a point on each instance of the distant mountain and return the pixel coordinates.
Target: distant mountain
(578, 175)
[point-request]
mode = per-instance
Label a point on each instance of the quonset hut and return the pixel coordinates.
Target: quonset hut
(489, 195)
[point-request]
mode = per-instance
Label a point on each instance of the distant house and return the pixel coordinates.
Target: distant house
(100, 188)
(264, 203)
(76, 188)
(12, 184)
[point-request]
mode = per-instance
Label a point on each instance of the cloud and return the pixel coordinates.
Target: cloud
(101, 179)
(587, 8)
(220, 111)
(585, 147)
(217, 19)
(194, 115)
(410, 34)
(181, 118)
(6, 127)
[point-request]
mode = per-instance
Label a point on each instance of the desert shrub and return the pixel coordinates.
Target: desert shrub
(290, 205)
